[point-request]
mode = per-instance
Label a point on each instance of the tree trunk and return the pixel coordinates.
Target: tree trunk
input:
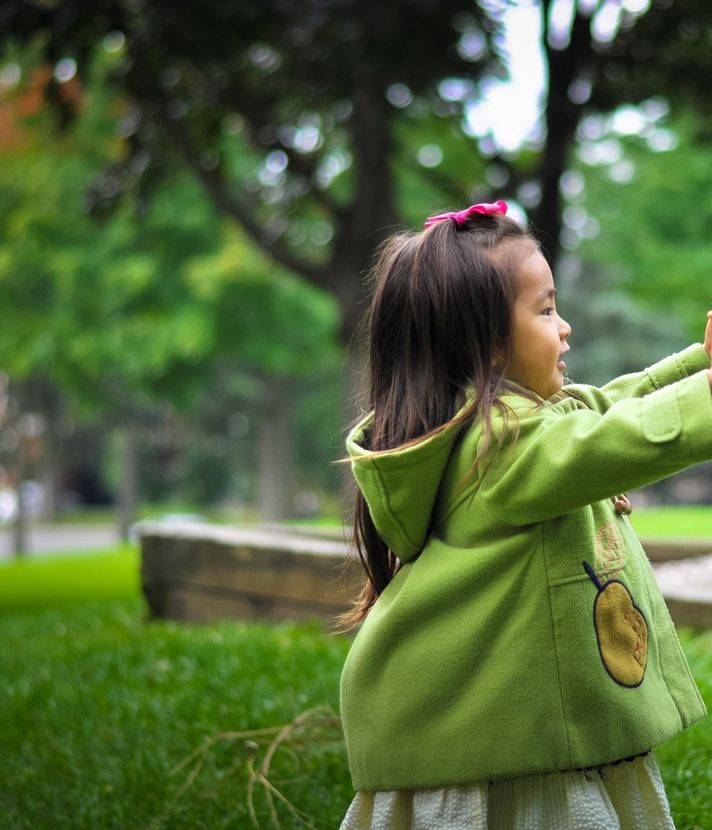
(355, 385)
(371, 216)
(19, 528)
(49, 478)
(566, 65)
(276, 452)
(128, 485)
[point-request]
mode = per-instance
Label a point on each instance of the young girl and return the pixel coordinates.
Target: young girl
(516, 662)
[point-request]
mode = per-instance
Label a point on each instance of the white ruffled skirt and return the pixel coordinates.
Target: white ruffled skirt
(629, 795)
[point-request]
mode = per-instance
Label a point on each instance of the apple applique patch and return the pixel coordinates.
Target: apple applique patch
(621, 630)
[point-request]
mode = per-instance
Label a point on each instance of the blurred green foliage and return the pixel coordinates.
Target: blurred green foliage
(158, 309)
(309, 132)
(120, 308)
(654, 239)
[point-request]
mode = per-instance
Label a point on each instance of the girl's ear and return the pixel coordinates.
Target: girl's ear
(500, 359)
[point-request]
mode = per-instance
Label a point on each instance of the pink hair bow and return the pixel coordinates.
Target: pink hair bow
(485, 209)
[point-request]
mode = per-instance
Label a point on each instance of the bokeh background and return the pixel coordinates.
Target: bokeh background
(190, 195)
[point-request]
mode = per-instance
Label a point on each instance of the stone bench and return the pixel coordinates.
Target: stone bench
(200, 573)
(687, 587)
(673, 549)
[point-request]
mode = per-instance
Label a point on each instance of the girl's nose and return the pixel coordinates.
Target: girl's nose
(564, 329)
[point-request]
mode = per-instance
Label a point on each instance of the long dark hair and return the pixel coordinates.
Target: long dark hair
(439, 326)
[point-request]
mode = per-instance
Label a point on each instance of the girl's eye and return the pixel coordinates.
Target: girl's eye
(549, 311)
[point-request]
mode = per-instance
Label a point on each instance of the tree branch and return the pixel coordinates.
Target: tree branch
(253, 111)
(235, 206)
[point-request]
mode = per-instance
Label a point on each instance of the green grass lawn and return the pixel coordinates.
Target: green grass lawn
(58, 578)
(674, 522)
(685, 761)
(98, 705)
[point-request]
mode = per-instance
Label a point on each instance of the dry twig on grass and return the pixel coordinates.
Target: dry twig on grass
(257, 748)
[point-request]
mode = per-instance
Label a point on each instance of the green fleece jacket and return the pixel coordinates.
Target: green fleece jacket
(525, 631)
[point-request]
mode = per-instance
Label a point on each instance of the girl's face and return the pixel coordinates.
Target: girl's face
(539, 334)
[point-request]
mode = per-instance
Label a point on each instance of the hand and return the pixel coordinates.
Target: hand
(708, 335)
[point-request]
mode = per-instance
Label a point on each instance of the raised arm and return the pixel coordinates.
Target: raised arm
(568, 456)
(669, 370)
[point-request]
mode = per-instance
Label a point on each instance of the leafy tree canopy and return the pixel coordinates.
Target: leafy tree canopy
(119, 311)
(646, 199)
(319, 126)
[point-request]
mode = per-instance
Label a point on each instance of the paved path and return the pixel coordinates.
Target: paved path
(689, 579)
(48, 539)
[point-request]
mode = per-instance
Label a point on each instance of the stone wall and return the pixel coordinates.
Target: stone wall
(200, 573)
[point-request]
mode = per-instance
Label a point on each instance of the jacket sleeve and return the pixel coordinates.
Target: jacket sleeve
(567, 456)
(669, 370)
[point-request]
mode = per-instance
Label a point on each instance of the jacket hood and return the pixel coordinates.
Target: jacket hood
(400, 487)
